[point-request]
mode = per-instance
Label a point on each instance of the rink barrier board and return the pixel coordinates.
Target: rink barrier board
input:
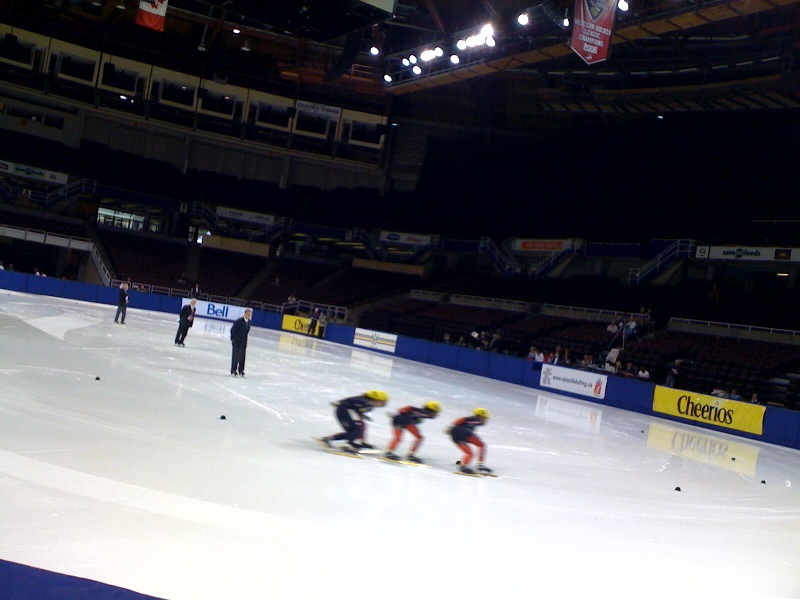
(781, 426)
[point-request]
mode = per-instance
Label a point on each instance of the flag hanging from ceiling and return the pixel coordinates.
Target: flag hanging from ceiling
(592, 29)
(151, 14)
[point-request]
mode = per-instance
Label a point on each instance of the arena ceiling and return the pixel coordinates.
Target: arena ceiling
(665, 56)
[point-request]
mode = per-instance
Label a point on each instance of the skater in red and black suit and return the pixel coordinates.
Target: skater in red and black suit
(463, 434)
(351, 413)
(409, 417)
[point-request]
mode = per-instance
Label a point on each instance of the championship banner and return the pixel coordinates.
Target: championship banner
(215, 310)
(410, 239)
(151, 14)
(591, 31)
(377, 340)
(295, 324)
(247, 216)
(583, 383)
(731, 414)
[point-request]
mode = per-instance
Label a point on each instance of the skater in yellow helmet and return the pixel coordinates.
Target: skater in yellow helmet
(463, 434)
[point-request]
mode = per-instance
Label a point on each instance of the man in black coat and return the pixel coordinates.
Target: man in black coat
(186, 320)
(239, 331)
(122, 303)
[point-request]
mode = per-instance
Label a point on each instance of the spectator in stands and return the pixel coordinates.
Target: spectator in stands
(494, 343)
(122, 303)
(713, 296)
(239, 331)
(558, 354)
(2, 268)
(565, 359)
(643, 373)
(734, 395)
(290, 306)
(630, 370)
(312, 325)
(323, 324)
(195, 293)
(631, 329)
(613, 327)
(672, 375)
(535, 355)
(185, 321)
(754, 398)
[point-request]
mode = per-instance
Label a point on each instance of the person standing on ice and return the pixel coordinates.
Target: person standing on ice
(463, 434)
(409, 417)
(351, 413)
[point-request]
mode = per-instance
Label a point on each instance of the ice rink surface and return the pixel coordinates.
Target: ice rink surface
(135, 480)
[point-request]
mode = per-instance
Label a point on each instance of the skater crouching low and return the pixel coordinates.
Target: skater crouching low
(408, 418)
(351, 414)
(463, 434)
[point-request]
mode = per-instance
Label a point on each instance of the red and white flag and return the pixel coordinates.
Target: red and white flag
(591, 32)
(151, 14)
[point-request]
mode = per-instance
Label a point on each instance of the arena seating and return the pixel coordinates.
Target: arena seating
(223, 273)
(145, 259)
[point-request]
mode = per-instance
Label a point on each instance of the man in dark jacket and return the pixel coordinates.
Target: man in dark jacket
(122, 303)
(186, 320)
(239, 331)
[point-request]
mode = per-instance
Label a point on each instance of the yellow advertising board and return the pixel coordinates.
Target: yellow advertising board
(731, 414)
(295, 324)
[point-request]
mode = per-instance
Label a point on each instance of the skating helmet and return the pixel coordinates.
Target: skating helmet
(433, 406)
(377, 396)
(481, 412)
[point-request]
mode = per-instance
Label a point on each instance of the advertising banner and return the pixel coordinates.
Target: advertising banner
(236, 214)
(318, 109)
(521, 245)
(410, 239)
(215, 310)
(9, 168)
(377, 340)
(748, 253)
(295, 324)
(591, 31)
(712, 410)
(583, 383)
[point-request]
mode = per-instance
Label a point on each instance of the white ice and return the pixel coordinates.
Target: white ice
(136, 481)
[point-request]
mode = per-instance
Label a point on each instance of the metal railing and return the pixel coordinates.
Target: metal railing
(678, 249)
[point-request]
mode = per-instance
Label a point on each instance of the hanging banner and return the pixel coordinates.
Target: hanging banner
(591, 31)
(151, 14)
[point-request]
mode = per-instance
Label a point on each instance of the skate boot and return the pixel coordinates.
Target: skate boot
(467, 470)
(391, 455)
(325, 442)
(414, 459)
(483, 468)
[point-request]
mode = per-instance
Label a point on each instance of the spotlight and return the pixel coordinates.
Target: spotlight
(412, 59)
(461, 44)
(406, 62)
(245, 46)
(416, 70)
(487, 30)
(374, 51)
(237, 31)
(438, 52)
(523, 19)
(623, 5)
(454, 59)
(565, 22)
(490, 42)
(387, 78)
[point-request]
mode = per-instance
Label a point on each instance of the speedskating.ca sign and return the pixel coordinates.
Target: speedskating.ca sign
(583, 383)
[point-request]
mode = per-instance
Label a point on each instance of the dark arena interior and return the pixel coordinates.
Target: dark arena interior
(460, 172)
